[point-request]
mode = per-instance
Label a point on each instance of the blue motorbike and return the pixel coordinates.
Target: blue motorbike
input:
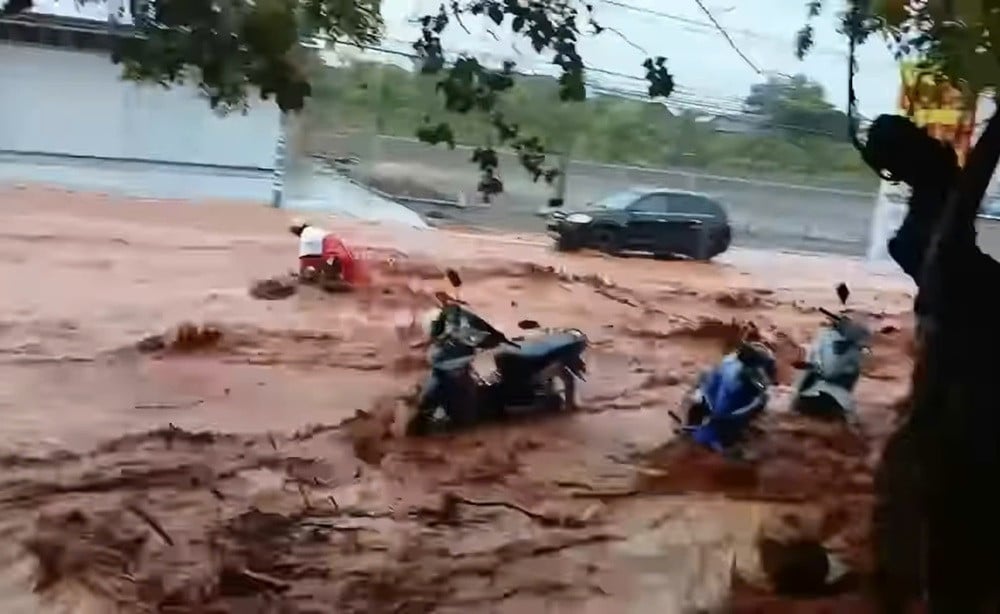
(729, 397)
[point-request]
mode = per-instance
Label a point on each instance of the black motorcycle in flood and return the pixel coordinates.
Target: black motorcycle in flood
(531, 375)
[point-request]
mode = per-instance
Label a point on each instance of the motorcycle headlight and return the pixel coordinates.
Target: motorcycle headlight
(579, 218)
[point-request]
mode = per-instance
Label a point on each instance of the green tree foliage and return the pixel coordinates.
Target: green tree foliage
(365, 96)
(797, 106)
(553, 27)
(230, 48)
(960, 38)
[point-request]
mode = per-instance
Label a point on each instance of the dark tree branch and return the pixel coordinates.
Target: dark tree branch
(552, 28)
(13, 7)
(956, 223)
(458, 16)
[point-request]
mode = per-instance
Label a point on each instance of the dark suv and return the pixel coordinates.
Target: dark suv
(664, 222)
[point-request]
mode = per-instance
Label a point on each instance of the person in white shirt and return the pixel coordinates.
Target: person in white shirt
(321, 251)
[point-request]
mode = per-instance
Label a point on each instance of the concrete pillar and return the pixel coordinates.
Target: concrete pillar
(280, 154)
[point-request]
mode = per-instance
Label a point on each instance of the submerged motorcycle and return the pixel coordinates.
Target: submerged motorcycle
(729, 397)
(530, 375)
(832, 367)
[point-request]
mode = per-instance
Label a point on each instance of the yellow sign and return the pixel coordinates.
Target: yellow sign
(936, 105)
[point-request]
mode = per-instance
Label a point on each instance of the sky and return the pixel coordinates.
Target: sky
(708, 72)
(704, 65)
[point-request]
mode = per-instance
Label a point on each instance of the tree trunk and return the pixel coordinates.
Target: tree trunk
(934, 488)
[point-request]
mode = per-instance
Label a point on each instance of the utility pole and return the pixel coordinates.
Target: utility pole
(559, 198)
(561, 180)
(375, 145)
(278, 178)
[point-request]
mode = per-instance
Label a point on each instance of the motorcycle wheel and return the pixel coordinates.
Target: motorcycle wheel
(562, 388)
(332, 281)
(426, 421)
(819, 407)
(696, 414)
(418, 425)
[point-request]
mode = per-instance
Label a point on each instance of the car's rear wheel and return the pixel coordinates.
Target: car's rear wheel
(699, 244)
(718, 242)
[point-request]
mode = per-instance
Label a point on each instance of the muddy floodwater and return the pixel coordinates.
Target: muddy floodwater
(248, 458)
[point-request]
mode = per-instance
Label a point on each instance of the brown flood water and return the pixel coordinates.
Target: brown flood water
(260, 471)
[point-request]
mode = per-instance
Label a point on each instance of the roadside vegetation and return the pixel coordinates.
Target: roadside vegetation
(787, 127)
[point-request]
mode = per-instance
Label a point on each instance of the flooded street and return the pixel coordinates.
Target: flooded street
(262, 470)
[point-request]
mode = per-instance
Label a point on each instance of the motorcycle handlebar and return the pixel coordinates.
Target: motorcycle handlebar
(492, 334)
(501, 338)
(847, 327)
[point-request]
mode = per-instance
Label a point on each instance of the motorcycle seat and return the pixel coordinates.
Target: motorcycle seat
(535, 350)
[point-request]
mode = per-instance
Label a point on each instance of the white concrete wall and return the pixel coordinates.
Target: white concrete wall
(74, 102)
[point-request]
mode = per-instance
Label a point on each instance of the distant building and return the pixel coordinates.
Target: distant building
(60, 94)
(345, 55)
(739, 124)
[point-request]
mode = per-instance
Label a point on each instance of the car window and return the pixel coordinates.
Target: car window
(651, 203)
(618, 200)
(694, 205)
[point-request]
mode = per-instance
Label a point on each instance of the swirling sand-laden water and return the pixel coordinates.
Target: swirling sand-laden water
(172, 444)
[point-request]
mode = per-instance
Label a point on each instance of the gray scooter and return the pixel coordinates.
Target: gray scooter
(825, 389)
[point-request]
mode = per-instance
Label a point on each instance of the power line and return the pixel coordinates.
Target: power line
(751, 118)
(709, 26)
(694, 103)
(685, 99)
(678, 89)
(681, 100)
(728, 38)
(603, 71)
(671, 16)
(686, 103)
(680, 93)
(724, 107)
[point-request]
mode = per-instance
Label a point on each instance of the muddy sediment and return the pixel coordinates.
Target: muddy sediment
(247, 458)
